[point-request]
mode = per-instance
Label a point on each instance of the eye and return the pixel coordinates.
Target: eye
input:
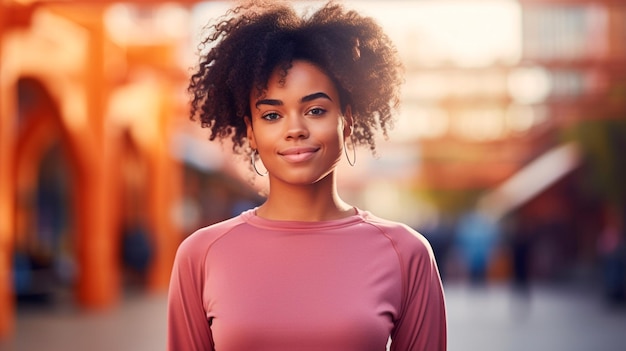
(317, 111)
(271, 116)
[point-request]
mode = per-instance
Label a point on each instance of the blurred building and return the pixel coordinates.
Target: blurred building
(520, 138)
(97, 185)
(579, 47)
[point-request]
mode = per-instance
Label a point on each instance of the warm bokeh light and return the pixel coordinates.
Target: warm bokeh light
(131, 24)
(465, 33)
(529, 85)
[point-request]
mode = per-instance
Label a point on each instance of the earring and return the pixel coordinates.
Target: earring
(345, 149)
(253, 162)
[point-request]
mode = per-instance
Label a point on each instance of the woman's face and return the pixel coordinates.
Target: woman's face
(297, 125)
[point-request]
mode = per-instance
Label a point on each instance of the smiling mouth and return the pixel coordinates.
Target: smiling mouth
(298, 155)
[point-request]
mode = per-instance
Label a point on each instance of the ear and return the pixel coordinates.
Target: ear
(250, 132)
(348, 124)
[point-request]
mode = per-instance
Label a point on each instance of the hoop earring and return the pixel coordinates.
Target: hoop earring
(345, 149)
(253, 162)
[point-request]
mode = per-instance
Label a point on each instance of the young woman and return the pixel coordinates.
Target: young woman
(305, 270)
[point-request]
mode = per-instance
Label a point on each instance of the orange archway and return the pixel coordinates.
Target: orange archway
(40, 128)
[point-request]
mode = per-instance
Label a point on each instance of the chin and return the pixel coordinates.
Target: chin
(304, 179)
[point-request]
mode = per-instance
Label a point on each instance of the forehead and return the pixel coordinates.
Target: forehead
(302, 77)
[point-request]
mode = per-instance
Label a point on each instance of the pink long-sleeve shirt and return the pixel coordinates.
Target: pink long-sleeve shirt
(250, 283)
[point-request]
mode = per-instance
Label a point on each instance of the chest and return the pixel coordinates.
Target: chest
(302, 294)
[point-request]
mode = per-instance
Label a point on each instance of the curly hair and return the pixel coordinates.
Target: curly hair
(250, 41)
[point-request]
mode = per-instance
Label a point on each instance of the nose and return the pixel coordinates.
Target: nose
(296, 127)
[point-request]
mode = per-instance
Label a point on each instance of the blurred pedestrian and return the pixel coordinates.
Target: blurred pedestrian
(304, 270)
(441, 238)
(520, 241)
(137, 252)
(612, 250)
(476, 236)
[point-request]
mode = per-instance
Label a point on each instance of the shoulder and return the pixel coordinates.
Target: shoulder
(406, 240)
(419, 271)
(199, 242)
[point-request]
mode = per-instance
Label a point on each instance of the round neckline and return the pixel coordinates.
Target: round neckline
(252, 218)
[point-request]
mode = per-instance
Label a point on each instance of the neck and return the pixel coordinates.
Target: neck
(319, 201)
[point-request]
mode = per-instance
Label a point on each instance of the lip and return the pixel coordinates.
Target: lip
(298, 154)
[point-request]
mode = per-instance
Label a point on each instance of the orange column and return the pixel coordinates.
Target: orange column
(7, 195)
(165, 193)
(98, 284)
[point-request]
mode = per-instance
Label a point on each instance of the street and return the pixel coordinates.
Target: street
(550, 319)
(479, 318)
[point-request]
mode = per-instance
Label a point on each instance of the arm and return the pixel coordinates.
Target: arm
(187, 325)
(422, 324)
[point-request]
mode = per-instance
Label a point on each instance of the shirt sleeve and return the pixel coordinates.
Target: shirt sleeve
(187, 326)
(422, 324)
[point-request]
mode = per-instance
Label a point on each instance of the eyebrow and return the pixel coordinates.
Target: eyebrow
(307, 98)
(314, 96)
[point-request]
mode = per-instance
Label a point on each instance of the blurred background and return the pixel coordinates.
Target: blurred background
(508, 155)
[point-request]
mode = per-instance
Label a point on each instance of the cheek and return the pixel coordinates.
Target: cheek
(328, 132)
(334, 141)
(339, 134)
(266, 137)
